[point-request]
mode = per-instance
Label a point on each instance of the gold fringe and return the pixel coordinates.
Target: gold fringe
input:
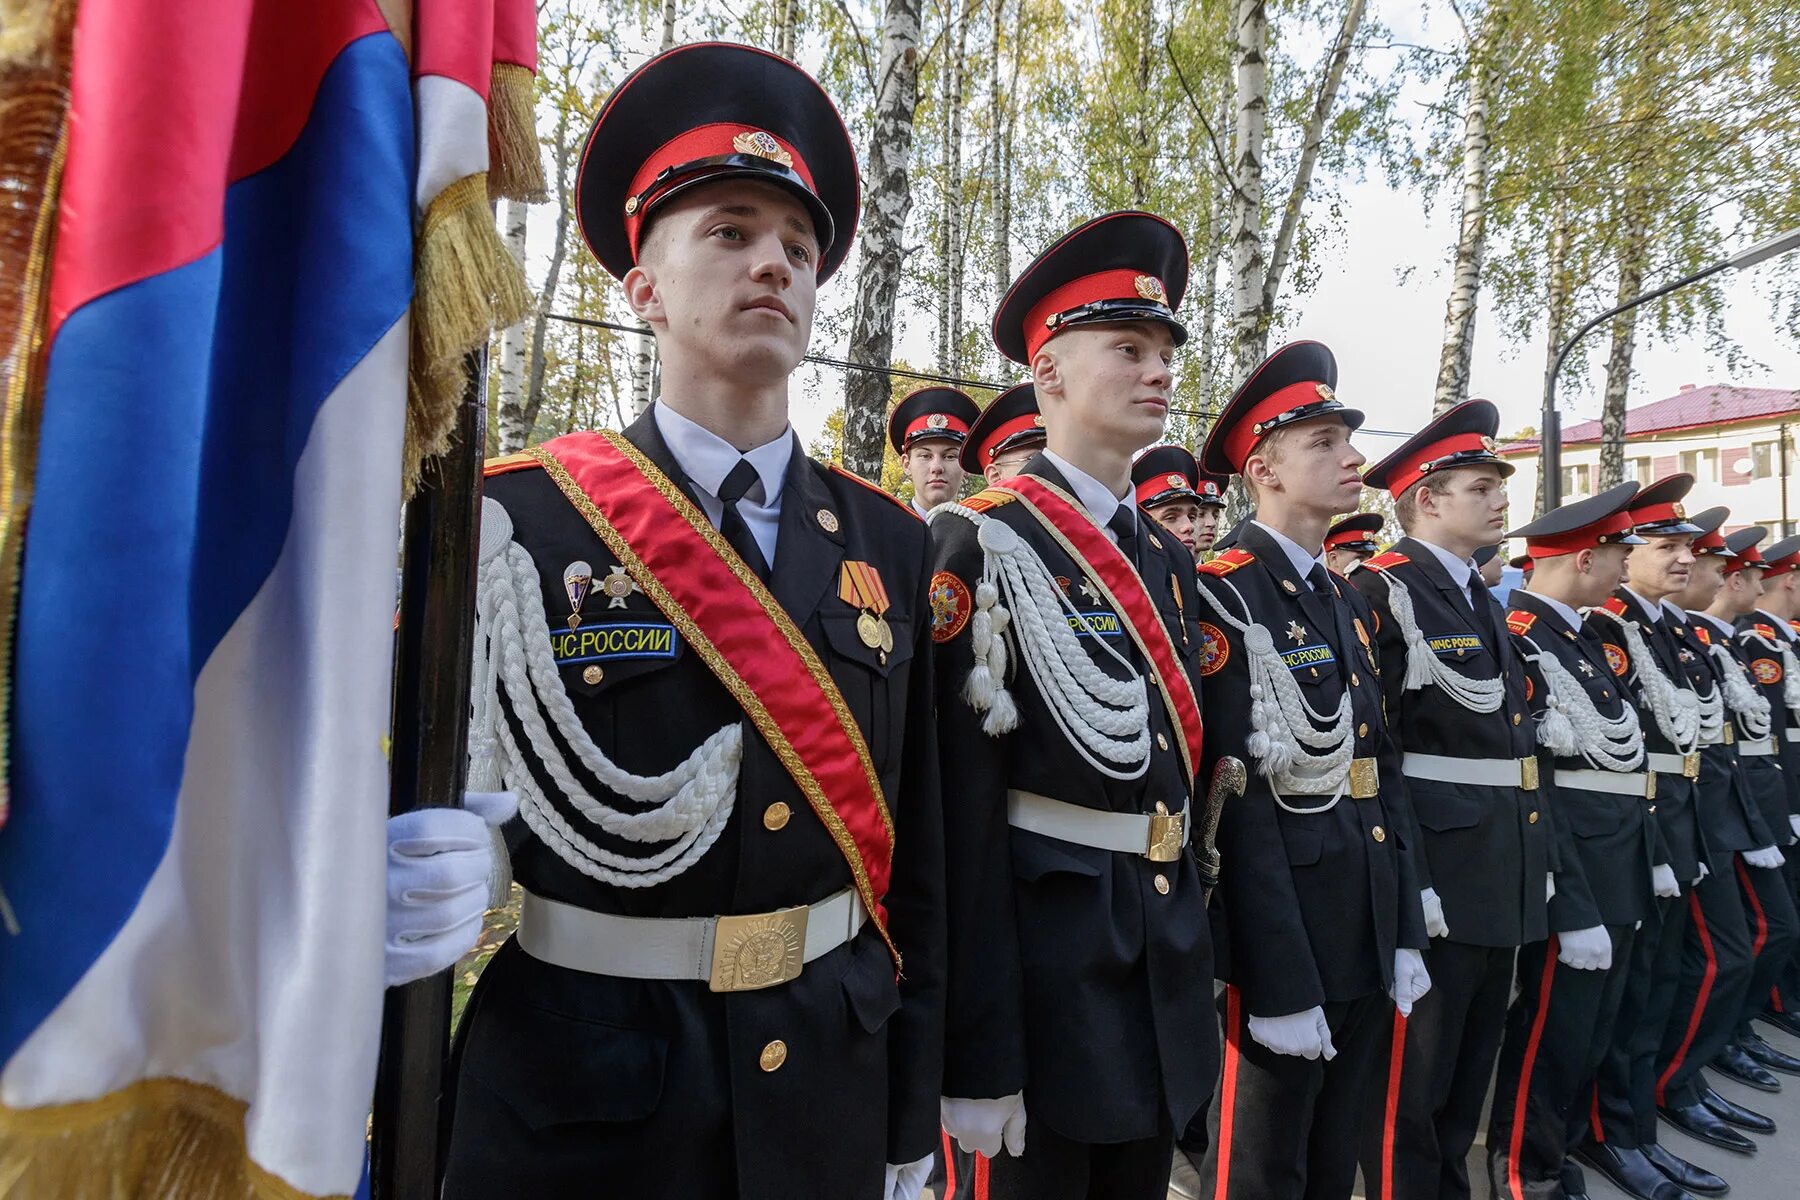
(158, 1139)
(30, 31)
(466, 285)
(515, 163)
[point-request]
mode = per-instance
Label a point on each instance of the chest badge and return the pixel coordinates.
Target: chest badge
(617, 586)
(1088, 590)
(578, 578)
(860, 585)
(1297, 632)
(1586, 669)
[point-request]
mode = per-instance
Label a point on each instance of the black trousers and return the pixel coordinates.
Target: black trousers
(1054, 1167)
(1623, 1105)
(1774, 930)
(1288, 1128)
(1557, 1032)
(1715, 978)
(1415, 1143)
(1785, 995)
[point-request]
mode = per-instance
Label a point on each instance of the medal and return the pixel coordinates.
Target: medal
(868, 628)
(860, 585)
(578, 577)
(616, 586)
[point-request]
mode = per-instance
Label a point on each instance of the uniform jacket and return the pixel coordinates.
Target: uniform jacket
(1486, 849)
(1729, 815)
(1767, 783)
(1313, 904)
(574, 1081)
(1761, 638)
(1072, 977)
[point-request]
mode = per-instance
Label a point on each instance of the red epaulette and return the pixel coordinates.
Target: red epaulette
(524, 460)
(1615, 606)
(1386, 559)
(1766, 631)
(989, 498)
(1794, 625)
(853, 477)
(1227, 561)
(1520, 621)
(1704, 634)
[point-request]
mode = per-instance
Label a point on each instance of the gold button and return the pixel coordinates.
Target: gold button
(1162, 810)
(1162, 743)
(593, 675)
(1355, 679)
(1605, 695)
(1378, 833)
(1315, 672)
(1532, 818)
(773, 1055)
(776, 816)
(1162, 884)
(1516, 718)
(1362, 730)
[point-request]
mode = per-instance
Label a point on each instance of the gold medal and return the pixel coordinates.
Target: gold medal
(868, 628)
(887, 635)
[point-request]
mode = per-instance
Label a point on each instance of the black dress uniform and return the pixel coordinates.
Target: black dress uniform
(573, 1081)
(1470, 761)
(931, 414)
(1318, 890)
(1773, 646)
(1079, 975)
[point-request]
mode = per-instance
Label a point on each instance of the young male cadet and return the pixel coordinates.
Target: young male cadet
(705, 671)
(1009, 431)
(1571, 981)
(1772, 642)
(1320, 908)
(1454, 692)
(1352, 540)
(1080, 1033)
(1171, 488)
(927, 430)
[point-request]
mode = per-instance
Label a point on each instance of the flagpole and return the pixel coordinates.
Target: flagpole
(434, 644)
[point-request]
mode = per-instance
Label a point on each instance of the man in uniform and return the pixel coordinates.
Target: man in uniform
(1592, 757)
(705, 671)
(1320, 898)
(1079, 1034)
(1352, 540)
(1772, 644)
(1009, 431)
(1454, 693)
(1171, 488)
(928, 430)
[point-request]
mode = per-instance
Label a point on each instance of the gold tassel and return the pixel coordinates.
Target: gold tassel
(158, 1139)
(466, 285)
(515, 163)
(31, 29)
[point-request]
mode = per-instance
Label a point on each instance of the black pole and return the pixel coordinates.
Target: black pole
(433, 647)
(1550, 460)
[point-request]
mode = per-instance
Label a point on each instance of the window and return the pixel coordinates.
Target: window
(1575, 480)
(1641, 470)
(1703, 465)
(1762, 460)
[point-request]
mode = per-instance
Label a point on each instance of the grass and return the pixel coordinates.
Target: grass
(496, 927)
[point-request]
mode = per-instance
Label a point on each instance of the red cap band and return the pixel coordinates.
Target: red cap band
(1658, 514)
(935, 425)
(706, 141)
(1248, 429)
(1751, 557)
(1345, 537)
(1089, 289)
(1411, 469)
(1157, 485)
(1782, 566)
(1586, 538)
(984, 453)
(1708, 541)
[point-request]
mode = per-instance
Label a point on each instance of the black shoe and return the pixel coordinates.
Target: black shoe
(1696, 1120)
(1785, 1021)
(1735, 1114)
(1698, 1180)
(1629, 1171)
(1765, 1055)
(1733, 1063)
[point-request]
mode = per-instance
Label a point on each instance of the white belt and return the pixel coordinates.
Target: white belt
(1687, 765)
(1487, 772)
(1760, 748)
(1159, 837)
(733, 954)
(1792, 732)
(1620, 783)
(1725, 737)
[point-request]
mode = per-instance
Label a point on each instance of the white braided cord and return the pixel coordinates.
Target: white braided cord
(1748, 703)
(1571, 723)
(1676, 709)
(1424, 666)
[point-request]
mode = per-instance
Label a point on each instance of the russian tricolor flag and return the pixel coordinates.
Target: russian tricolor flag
(195, 850)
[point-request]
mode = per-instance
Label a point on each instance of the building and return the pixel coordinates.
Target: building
(1740, 444)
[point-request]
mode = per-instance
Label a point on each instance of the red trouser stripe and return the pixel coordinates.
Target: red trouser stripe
(1706, 982)
(1515, 1189)
(1775, 999)
(1762, 920)
(1396, 1064)
(1594, 1118)
(949, 1167)
(1234, 1019)
(981, 1177)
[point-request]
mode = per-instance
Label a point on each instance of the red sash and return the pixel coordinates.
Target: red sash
(744, 636)
(1124, 588)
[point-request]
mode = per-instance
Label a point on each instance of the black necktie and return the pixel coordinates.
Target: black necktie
(740, 480)
(1320, 579)
(1123, 523)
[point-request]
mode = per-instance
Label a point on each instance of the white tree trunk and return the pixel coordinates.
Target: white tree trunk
(668, 25)
(566, 139)
(787, 21)
(1248, 268)
(954, 281)
(1633, 257)
(514, 429)
(1471, 242)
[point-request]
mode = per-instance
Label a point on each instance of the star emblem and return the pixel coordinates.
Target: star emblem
(1297, 631)
(1586, 669)
(1089, 590)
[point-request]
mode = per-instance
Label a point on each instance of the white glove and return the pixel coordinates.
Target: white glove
(1767, 858)
(905, 1183)
(984, 1126)
(1704, 872)
(1585, 949)
(1794, 823)
(1434, 913)
(1662, 880)
(1411, 980)
(1301, 1034)
(1549, 886)
(439, 860)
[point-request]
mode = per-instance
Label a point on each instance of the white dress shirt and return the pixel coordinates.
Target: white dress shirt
(1461, 569)
(1303, 560)
(1567, 613)
(707, 458)
(1646, 609)
(1095, 496)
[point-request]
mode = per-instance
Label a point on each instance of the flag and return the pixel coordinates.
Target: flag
(190, 1000)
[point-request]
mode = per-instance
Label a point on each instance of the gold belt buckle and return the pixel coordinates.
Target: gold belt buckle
(1168, 833)
(759, 950)
(1528, 774)
(1364, 779)
(1690, 765)
(1649, 785)
(1730, 734)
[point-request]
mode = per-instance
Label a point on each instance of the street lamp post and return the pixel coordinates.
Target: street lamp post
(1550, 444)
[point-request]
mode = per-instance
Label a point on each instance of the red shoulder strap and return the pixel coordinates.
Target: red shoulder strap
(1520, 621)
(1386, 559)
(524, 460)
(1615, 606)
(1227, 561)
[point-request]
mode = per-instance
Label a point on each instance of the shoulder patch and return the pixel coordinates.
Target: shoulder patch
(1617, 659)
(1386, 559)
(1615, 606)
(950, 605)
(1767, 631)
(1214, 649)
(1766, 670)
(1227, 561)
(989, 498)
(524, 460)
(853, 477)
(1530, 689)
(1520, 621)
(1703, 633)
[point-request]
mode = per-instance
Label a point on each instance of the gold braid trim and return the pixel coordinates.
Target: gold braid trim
(741, 691)
(515, 164)
(466, 285)
(158, 1139)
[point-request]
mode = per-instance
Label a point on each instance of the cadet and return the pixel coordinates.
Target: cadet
(1352, 540)
(1079, 1030)
(1320, 899)
(1772, 643)
(1170, 488)
(704, 670)
(928, 430)
(1005, 436)
(1571, 983)
(1454, 693)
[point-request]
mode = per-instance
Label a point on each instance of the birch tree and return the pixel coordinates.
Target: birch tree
(510, 412)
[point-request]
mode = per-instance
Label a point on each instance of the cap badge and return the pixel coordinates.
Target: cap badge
(631, 205)
(1325, 392)
(1037, 420)
(1210, 488)
(1174, 481)
(762, 145)
(1490, 445)
(937, 420)
(1680, 512)
(1151, 288)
